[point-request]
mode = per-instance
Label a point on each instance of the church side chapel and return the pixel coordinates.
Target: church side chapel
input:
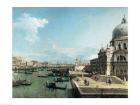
(113, 60)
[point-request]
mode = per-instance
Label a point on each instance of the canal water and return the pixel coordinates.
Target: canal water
(37, 88)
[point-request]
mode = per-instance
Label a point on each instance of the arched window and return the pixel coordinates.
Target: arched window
(119, 46)
(118, 58)
(124, 46)
(121, 58)
(124, 58)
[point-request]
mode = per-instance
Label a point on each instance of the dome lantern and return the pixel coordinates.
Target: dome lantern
(123, 20)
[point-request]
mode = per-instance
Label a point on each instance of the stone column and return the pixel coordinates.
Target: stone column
(108, 69)
(109, 53)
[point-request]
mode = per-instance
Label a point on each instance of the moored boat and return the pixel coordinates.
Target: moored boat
(28, 72)
(18, 82)
(43, 76)
(60, 79)
(26, 83)
(53, 85)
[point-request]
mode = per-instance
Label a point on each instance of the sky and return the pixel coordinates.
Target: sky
(62, 34)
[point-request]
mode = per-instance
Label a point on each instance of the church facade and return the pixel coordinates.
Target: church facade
(113, 60)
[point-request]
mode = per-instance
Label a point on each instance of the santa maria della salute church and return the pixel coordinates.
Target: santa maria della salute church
(113, 60)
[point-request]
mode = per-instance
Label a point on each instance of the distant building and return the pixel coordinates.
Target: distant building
(87, 68)
(21, 62)
(79, 67)
(94, 65)
(113, 60)
(44, 64)
(18, 61)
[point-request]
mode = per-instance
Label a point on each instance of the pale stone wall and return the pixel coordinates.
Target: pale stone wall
(79, 67)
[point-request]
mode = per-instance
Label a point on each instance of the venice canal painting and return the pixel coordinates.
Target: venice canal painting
(70, 52)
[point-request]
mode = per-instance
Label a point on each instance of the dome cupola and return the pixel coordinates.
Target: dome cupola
(120, 30)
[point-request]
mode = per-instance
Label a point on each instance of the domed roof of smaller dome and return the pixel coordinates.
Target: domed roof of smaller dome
(102, 50)
(120, 30)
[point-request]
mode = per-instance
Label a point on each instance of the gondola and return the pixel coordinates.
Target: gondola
(60, 79)
(18, 83)
(50, 74)
(28, 72)
(26, 83)
(43, 76)
(53, 85)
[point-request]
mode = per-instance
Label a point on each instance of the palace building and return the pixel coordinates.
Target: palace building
(113, 60)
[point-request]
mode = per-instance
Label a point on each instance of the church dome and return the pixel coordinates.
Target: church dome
(120, 30)
(102, 50)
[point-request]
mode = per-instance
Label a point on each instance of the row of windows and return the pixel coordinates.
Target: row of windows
(119, 71)
(121, 58)
(124, 46)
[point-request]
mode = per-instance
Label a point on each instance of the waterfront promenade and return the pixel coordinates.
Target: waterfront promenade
(98, 88)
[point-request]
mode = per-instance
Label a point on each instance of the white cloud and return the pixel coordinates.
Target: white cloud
(84, 53)
(68, 51)
(53, 51)
(28, 26)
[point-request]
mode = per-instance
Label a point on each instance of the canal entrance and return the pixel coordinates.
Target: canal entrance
(38, 89)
